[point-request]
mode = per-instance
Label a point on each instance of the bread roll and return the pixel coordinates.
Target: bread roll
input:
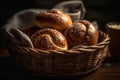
(82, 33)
(53, 19)
(49, 39)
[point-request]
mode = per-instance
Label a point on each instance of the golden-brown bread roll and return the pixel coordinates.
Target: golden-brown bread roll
(82, 33)
(53, 19)
(49, 39)
(29, 30)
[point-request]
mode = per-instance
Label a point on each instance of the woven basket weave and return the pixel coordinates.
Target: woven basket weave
(79, 60)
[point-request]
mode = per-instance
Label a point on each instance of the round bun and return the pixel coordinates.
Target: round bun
(49, 39)
(29, 30)
(82, 33)
(53, 19)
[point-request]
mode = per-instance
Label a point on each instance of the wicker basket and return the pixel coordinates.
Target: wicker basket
(79, 60)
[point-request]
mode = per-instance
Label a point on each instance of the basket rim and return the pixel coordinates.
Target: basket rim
(76, 50)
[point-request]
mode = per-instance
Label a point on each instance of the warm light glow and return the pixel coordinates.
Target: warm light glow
(114, 26)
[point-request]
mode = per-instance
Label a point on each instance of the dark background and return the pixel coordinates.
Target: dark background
(102, 11)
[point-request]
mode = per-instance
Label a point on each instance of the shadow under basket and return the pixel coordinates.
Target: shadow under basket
(79, 60)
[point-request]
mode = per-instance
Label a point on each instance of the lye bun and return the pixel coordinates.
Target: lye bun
(49, 39)
(53, 19)
(82, 33)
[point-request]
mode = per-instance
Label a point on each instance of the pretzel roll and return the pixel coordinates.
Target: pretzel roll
(53, 19)
(82, 33)
(49, 39)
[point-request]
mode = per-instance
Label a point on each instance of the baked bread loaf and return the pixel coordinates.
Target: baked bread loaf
(49, 39)
(82, 33)
(53, 19)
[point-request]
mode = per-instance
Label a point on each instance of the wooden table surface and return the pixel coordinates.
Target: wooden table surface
(109, 70)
